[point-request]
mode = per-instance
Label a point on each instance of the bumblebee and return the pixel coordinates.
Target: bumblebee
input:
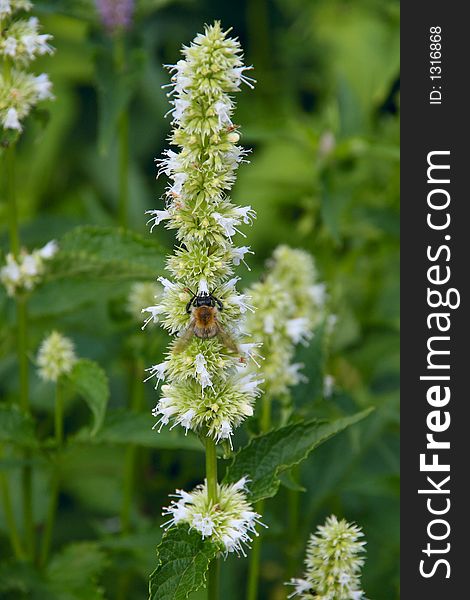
(204, 323)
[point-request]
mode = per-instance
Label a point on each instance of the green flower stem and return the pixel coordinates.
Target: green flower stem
(9, 170)
(55, 483)
(211, 476)
(213, 577)
(293, 503)
(27, 493)
(265, 422)
(59, 415)
(137, 402)
(26, 476)
(255, 556)
(123, 140)
(122, 135)
(22, 350)
(255, 560)
(50, 518)
(9, 159)
(9, 515)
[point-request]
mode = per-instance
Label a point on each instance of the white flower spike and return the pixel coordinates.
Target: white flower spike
(204, 389)
(56, 356)
(333, 563)
(290, 303)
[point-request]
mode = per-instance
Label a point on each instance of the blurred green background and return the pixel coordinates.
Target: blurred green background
(323, 127)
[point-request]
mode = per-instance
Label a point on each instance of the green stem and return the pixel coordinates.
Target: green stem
(213, 577)
(27, 492)
(212, 492)
(55, 483)
(129, 478)
(255, 555)
(22, 350)
(50, 518)
(255, 560)
(123, 136)
(26, 476)
(9, 158)
(293, 500)
(130, 459)
(211, 470)
(59, 415)
(265, 423)
(9, 515)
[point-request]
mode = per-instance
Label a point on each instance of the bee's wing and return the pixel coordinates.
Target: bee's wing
(184, 338)
(226, 339)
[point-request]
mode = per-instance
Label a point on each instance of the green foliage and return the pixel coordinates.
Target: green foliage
(72, 574)
(324, 176)
(183, 560)
(16, 427)
(125, 427)
(89, 381)
(267, 456)
(107, 252)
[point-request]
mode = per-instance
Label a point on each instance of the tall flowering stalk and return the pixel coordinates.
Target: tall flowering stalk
(116, 17)
(290, 303)
(333, 563)
(55, 358)
(207, 386)
(21, 42)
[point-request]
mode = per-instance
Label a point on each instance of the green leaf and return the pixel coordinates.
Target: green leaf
(89, 380)
(73, 573)
(183, 560)
(267, 456)
(16, 427)
(107, 253)
(126, 427)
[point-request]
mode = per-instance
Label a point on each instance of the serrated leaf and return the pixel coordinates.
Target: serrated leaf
(183, 560)
(89, 380)
(73, 573)
(267, 456)
(126, 427)
(108, 253)
(16, 427)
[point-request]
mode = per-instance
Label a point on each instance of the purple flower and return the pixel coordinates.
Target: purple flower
(115, 14)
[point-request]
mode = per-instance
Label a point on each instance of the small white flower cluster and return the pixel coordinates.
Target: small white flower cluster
(333, 563)
(207, 388)
(24, 272)
(20, 43)
(230, 523)
(290, 303)
(56, 356)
